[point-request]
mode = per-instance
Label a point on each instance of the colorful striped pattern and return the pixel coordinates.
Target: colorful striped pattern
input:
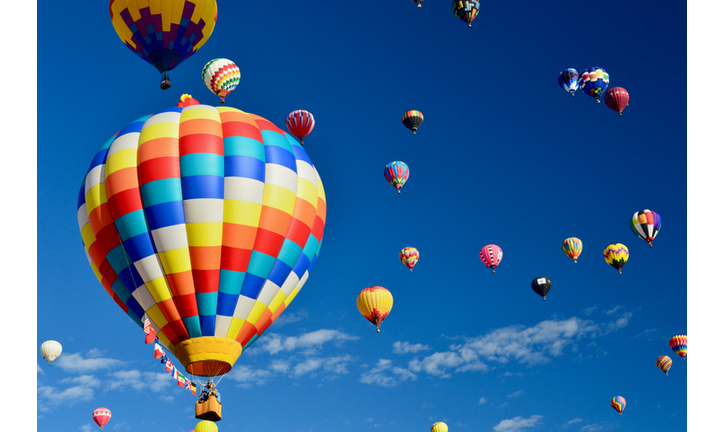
(569, 80)
(409, 256)
(208, 220)
(616, 255)
(467, 10)
(618, 403)
(221, 76)
(164, 33)
(412, 119)
(300, 123)
(594, 82)
(572, 247)
(664, 363)
(678, 344)
(646, 224)
(491, 255)
(396, 173)
(375, 303)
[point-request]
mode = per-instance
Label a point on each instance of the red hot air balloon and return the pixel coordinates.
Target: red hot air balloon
(300, 123)
(101, 416)
(617, 99)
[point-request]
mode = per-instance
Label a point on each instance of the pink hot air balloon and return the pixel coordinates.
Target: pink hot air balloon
(300, 123)
(101, 416)
(491, 256)
(617, 99)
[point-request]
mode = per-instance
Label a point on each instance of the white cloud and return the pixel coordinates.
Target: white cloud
(574, 420)
(248, 376)
(52, 397)
(482, 401)
(139, 381)
(83, 381)
(517, 423)
(336, 365)
(406, 347)
(274, 343)
(378, 374)
(592, 427)
(85, 428)
(612, 310)
(620, 323)
(289, 318)
(516, 394)
(78, 364)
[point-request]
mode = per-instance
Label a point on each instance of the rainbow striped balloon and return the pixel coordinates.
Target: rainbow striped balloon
(221, 76)
(679, 345)
(207, 220)
(618, 403)
(572, 247)
(664, 363)
(396, 173)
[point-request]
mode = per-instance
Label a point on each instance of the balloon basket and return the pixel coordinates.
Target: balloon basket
(210, 409)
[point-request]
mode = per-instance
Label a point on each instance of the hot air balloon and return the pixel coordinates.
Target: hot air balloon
(186, 100)
(221, 76)
(397, 173)
(617, 99)
(664, 363)
(678, 344)
(51, 350)
(206, 426)
(569, 80)
(616, 255)
(491, 255)
(164, 35)
(541, 286)
(646, 224)
(618, 403)
(101, 416)
(572, 247)
(594, 82)
(375, 303)
(300, 123)
(467, 10)
(418, 2)
(206, 219)
(439, 427)
(412, 119)
(409, 256)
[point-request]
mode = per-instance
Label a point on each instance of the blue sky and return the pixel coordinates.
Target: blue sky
(504, 156)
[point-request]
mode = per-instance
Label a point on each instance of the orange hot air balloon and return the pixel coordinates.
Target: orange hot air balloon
(375, 303)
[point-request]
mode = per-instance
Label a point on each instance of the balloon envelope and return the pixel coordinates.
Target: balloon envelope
(618, 403)
(664, 363)
(412, 119)
(300, 123)
(572, 247)
(616, 255)
(101, 416)
(221, 76)
(439, 427)
(594, 82)
(206, 426)
(541, 286)
(409, 256)
(396, 173)
(646, 224)
(678, 344)
(466, 10)
(51, 350)
(375, 303)
(491, 255)
(617, 99)
(569, 80)
(207, 221)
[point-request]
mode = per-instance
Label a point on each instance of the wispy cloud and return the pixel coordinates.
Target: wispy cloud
(574, 420)
(77, 363)
(274, 343)
(407, 347)
(516, 394)
(247, 376)
(482, 401)
(157, 382)
(336, 365)
(592, 427)
(49, 396)
(517, 424)
(289, 318)
(612, 310)
(384, 374)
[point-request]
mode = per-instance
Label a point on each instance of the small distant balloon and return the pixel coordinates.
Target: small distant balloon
(397, 173)
(678, 344)
(491, 255)
(375, 303)
(206, 426)
(412, 119)
(101, 416)
(439, 427)
(541, 286)
(572, 247)
(617, 99)
(418, 2)
(51, 350)
(569, 80)
(616, 255)
(618, 403)
(646, 224)
(300, 123)
(466, 10)
(664, 363)
(594, 82)
(409, 256)
(221, 76)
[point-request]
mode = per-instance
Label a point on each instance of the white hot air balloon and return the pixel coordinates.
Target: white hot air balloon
(51, 350)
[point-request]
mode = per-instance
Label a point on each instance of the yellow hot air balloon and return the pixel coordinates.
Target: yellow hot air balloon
(439, 427)
(616, 255)
(375, 303)
(206, 426)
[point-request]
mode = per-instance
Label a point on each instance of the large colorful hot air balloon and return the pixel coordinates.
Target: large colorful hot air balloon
(375, 303)
(439, 427)
(409, 256)
(206, 219)
(221, 76)
(101, 416)
(664, 363)
(617, 99)
(594, 82)
(678, 344)
(616, 255)
(541, 286)
(618, 403)
(300, 123)
(646, 224)
(412, 119)
(467, 10)
(572, 247)
(51, 350)
(491, 255)
(569, 80)
(206, 426)
(164, 33)
(397, 173)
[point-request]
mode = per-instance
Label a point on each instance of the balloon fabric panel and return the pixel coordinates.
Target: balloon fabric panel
(646, 224)
(220, 218)
(679, 345)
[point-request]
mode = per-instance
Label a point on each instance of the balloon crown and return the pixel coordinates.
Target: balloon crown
(186, 100)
